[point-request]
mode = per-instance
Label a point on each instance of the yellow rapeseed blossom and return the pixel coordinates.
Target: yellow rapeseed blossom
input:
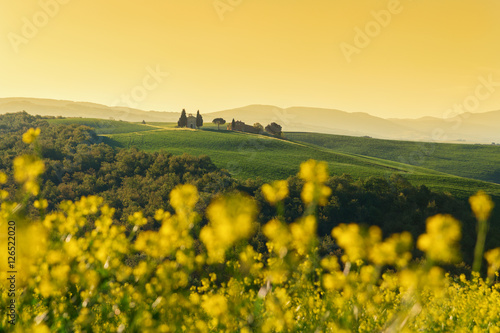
(279, 236)
(184, 197)
(334, 280)
(395, 250)
(493, 259)
(137, 219)
(356, 242)
(4, 194)
(315, 174)
(41, 204)
(314, 171)
(275, 192)
(231, 219)
(440, 242)
(312, 192)
(481, 205)
(215, 305)
(3, 178)
(303, 233)
(31, 135)
(27, 168)
(40, 328)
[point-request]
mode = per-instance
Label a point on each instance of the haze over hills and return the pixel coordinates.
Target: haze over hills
(466, 127)
(50, 107)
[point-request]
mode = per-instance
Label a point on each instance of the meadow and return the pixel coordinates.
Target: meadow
(103, 126)
(251, 156)
(476, 161)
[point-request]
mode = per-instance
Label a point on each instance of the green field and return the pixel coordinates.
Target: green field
(466, 160)
(449, 168)
(103, 126)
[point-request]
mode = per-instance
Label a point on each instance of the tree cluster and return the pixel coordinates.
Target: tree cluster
(274, 129)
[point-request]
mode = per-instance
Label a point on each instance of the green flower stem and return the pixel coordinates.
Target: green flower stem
(479, 250)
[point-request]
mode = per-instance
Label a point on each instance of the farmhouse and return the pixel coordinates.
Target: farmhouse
(242, 127)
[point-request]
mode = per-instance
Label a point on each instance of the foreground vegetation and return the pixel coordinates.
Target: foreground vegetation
(80, 271)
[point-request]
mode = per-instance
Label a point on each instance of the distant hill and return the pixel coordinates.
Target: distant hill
(467, 127)
(472, 128)
(49, 107)
(316, 120)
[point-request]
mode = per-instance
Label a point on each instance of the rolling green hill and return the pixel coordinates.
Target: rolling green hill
(474, 161)
(102, 126)
(250, 156)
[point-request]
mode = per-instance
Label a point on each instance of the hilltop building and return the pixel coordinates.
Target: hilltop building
(191, 121)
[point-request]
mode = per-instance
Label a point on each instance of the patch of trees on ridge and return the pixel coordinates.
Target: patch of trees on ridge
(237, 125)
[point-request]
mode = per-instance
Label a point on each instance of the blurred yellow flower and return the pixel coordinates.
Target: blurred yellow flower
(137, 219)
(440, 242)
(41, 204)
(314, 171)
(312, 192)
(231, 219)
(215, 305)
(31, 135)
(275, 192)
(303, 233)
(493, 259)
(356, 242)
(481, 205)
(3, 178)
(279, 236)
(395, 250)
(27, 168)
(184, 197)
(40, 328)
(315, 174)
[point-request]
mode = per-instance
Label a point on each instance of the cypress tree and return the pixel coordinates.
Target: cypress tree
(183, 119)
(199, 119)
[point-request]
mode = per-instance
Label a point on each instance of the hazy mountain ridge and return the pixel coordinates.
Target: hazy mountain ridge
(48, 107)
(467, 127)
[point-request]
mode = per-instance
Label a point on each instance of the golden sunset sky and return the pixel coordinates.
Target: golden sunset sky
(411, 59)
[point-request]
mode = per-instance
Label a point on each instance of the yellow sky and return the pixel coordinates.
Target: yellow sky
(411, 58)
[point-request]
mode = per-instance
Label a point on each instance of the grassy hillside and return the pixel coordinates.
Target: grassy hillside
(480, 162)
(102, 126)
(252, 156)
